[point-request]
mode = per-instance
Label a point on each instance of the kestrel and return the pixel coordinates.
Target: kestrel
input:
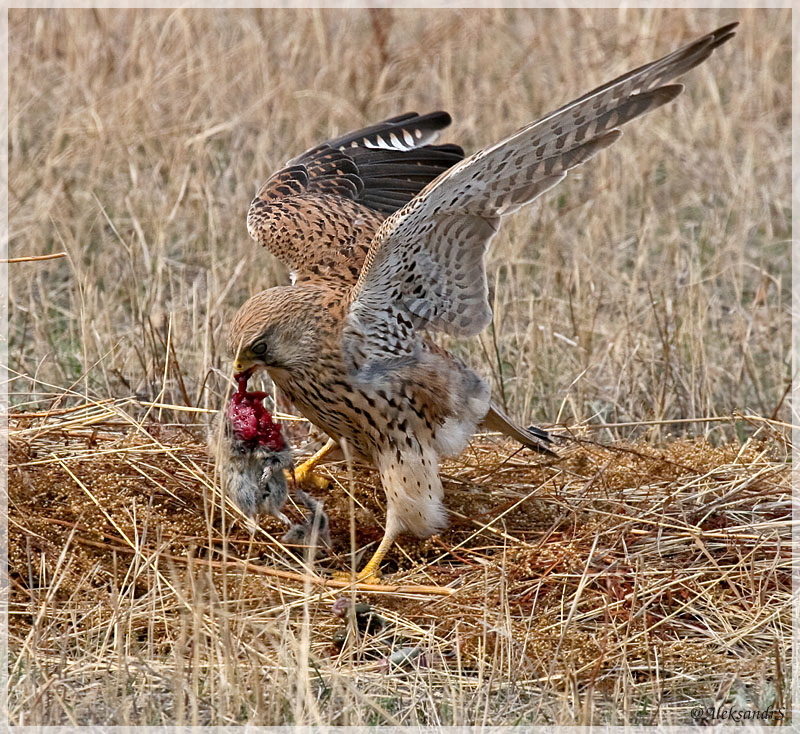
(385, 236)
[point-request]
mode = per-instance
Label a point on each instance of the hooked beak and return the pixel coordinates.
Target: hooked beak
(243, 369)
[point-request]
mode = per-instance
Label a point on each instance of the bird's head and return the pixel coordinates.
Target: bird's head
(273, 330)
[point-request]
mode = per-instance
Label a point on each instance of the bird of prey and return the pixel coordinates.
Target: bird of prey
(385, 234)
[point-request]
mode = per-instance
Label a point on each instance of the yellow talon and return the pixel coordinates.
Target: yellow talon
(304, 474)
(361, 577)
(307, 477)
(371, 573)
(313, 478)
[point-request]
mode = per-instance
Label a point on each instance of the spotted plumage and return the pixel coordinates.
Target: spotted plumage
(385, 235)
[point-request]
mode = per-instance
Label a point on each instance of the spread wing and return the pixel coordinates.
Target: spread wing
(320, 213)
(425, 269)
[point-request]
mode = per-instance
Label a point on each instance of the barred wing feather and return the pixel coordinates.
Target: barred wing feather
(425, 267)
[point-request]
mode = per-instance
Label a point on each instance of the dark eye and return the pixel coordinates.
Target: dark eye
(258, 349)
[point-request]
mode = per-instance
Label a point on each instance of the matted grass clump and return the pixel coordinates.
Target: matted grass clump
(621, 583)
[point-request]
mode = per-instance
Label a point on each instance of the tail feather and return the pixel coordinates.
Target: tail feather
(532, 438)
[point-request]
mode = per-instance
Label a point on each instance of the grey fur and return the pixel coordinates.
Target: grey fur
(252, 475)
(315, 530)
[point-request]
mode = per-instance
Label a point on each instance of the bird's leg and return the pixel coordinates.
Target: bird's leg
(305, 472)
(371, 573)
(373, 568)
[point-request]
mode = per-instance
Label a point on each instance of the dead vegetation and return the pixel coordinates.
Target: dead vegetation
(652, 284)
(645, 303)
(622, 583)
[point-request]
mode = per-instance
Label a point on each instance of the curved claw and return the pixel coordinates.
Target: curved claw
(371, 573)
(371, 577)
(307, 476)
(304, 474)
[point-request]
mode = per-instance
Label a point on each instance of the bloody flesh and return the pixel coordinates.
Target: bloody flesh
(250, 420)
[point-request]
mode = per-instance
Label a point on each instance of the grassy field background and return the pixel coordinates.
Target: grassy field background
(652, 284)
(651, 288)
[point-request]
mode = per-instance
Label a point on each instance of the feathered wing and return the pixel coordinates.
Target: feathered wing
(425, 268)
(320, 213)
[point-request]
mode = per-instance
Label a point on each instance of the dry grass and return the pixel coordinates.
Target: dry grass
(653, 284)
(622, 584)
